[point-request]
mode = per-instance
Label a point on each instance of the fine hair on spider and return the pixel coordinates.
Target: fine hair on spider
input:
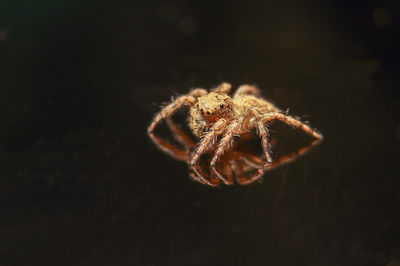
(215, 118)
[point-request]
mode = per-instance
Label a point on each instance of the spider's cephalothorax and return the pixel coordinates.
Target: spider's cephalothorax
(208, 109)
(215, 116)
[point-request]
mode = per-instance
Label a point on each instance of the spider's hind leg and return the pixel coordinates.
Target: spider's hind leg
(224, 87)
(246, 89)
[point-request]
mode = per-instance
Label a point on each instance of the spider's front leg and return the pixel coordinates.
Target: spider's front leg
(206, 144)
(168, 111)
(224, 145)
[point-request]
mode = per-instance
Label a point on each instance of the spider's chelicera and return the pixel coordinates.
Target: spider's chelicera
(215, 119)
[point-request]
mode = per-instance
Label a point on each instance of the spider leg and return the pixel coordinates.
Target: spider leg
(224, 145)
(205, 144)
(222, 88)
(297, 124)
(291, 121)
(166, 112)
(263, 133)
(246, 89)
(171, 108)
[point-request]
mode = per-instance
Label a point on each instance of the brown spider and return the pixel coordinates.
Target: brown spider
(217, 117)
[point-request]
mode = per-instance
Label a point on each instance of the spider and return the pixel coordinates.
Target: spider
(216, 118)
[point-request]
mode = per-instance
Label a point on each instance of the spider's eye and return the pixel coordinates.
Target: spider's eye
(208, 112)
(222, 106)
(202, 111)
(197, 106)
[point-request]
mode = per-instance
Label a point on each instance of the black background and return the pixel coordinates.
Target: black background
(82, 184)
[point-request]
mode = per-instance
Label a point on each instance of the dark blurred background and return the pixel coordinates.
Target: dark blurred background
(81, 183)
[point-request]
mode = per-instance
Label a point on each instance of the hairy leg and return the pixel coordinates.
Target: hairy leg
(224, 145)
(262, 132)
(171, 108)
(205, 144)
(166, 112)
(222, 88)
(246, 89)
(291, 121)
(297, 124)
(269, 163)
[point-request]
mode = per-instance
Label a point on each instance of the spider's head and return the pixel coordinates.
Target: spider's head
(214, 106)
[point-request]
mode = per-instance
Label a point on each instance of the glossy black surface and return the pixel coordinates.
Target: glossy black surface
(82, 184)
